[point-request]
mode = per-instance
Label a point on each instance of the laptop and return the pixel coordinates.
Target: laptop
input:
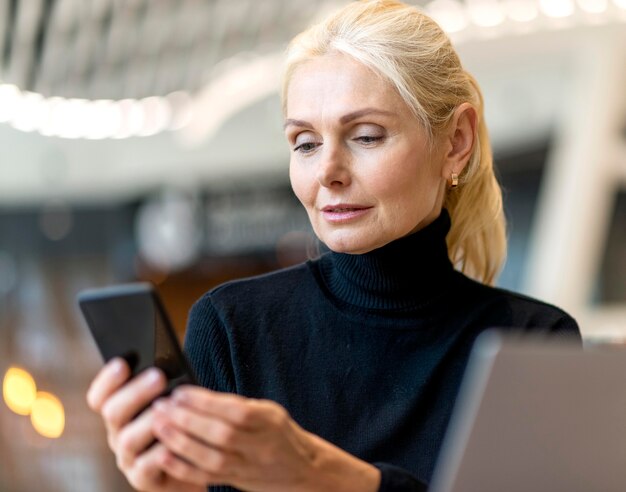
(537, 416)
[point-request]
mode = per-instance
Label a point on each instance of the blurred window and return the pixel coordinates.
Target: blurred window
(520, 175)
(611, 284)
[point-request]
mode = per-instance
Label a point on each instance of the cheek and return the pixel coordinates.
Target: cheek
(407, 187)
(300, 184)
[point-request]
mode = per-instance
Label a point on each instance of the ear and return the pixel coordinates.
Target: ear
(459, 140)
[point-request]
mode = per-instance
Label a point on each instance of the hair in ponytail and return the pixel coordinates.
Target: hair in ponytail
(411, 51)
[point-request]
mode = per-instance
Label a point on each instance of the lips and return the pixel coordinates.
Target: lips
(342, 208)
(344, 212)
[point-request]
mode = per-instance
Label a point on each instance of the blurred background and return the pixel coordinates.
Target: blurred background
(142, 140)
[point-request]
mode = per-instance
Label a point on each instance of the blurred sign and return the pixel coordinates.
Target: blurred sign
(240, 222)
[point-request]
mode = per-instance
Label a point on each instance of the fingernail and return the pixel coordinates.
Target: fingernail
(179, 396)
(117, 366)
(153, 376)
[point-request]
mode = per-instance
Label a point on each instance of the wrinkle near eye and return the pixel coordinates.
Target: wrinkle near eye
(369, 130)
(304, 137)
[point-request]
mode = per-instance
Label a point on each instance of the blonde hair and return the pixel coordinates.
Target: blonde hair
(410, 50)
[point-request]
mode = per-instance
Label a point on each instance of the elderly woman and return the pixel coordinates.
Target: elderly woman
(340, 374)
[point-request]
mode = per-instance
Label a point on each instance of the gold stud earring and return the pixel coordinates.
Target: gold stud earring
(454, 180)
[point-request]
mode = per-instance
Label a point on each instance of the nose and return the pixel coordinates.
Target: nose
(333, 169)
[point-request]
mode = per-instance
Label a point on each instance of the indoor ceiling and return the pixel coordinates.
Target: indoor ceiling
(117, 49)
(77, 76)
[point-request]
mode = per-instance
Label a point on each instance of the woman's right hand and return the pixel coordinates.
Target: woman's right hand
(118, 401)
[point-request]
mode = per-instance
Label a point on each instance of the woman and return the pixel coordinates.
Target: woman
(341, 373)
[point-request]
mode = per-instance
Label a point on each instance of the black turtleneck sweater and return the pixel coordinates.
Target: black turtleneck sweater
(366, 351)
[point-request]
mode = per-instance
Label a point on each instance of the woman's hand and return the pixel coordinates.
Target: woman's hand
(118, 401)
(254, 445)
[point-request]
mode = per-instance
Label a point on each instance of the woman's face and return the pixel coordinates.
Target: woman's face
(360, 163)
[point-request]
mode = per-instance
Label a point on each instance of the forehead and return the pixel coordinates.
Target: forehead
(338, 84)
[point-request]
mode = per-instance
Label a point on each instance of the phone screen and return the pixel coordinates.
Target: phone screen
(129, 321)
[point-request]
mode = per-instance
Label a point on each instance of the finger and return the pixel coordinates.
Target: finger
(131, 398)
(180, 470)
(111, 377)
(204, 427)
(218, 463)
(134, 438)
(146, 472)
(246, 413)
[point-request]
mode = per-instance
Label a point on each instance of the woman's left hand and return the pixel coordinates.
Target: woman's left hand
(254, 445)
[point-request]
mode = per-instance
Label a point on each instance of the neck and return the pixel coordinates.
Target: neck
(404, 274)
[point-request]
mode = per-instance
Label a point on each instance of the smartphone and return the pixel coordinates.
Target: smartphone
(129, 321)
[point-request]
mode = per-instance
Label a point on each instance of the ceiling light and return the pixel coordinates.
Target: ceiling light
(131, 118)
(157, 116)
(182, 109)
(449, 14)
(70, 117)
(557, 8)
(49, 121)
(104, 120)
(10, 97)
(241, 83)
(593, 6)
(31, 110)
(485, 13)
(521, 10)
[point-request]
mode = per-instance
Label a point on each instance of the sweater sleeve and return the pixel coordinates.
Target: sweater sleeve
(208, 351)
(207, 347)
(567, 327)
(396, 479)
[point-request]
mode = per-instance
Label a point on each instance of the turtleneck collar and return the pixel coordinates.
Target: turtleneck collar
(405, 274)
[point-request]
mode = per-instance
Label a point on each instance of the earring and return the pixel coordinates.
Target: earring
(454, 180)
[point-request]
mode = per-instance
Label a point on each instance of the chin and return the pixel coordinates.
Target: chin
(351, 245)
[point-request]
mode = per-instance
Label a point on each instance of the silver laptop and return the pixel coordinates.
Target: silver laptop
(537, 416)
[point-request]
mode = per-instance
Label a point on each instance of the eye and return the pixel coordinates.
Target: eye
(369, 139)
(368, 134)
(306, 142)
(305, 147)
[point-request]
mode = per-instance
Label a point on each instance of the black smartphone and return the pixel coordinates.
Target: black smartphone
(129, 321)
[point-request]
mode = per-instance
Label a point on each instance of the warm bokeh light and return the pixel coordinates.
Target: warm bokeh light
(48, 415)
(19, 390)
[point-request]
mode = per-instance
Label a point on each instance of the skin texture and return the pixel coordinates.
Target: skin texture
(209, 438)
(353, 142)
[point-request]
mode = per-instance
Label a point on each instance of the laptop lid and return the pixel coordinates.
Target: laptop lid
(536, 416)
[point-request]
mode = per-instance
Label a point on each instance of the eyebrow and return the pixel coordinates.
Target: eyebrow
(301, 123)
(346, 118)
